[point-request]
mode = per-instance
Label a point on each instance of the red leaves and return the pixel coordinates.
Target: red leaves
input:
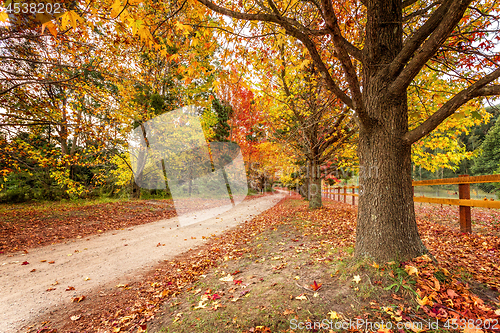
(70, 288)
(25, 263)
(315, 286)
(237, 281)
(214, 297)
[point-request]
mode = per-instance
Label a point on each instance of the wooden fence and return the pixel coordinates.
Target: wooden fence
(464, 201)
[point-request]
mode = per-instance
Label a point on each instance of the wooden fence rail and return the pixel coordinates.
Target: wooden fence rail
(464, 201)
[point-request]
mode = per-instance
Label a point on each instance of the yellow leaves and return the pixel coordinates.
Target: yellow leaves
(68, 17)
(333, 315)
(184, 28)
(411, 270)
(116, 8)
(3, 16)
(424, 301)
(52, 28)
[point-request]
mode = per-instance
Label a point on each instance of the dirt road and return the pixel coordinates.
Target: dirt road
(31, 284)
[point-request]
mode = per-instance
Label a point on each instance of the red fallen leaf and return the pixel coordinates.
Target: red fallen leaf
(208, 292)
(51, 262)
(237, 281)
(70, 288)
(315, 286)
(214, 297)
(236, 272)
(25, 263)
(33, 270)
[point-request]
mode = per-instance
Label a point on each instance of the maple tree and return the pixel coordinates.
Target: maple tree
(378, 48)
(309, 119)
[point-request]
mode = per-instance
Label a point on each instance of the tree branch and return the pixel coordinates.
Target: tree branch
(294, 32)
(427, 50)
(476, 90)
(413, 43)
(343, 56)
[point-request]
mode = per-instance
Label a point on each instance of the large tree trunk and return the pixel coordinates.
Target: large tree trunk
(386, 226)
(314, 188)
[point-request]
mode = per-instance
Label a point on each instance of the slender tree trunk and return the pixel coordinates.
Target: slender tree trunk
(136, 190)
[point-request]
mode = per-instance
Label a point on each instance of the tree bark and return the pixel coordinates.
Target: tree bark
(314, 187)
(136, 190)
(386, 227)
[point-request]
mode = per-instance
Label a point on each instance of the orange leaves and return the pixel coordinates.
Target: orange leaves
(78, 299)
(315, 286)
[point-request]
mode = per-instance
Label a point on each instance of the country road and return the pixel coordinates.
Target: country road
(33, 283)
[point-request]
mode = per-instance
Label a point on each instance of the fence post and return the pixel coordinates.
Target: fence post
(353, 197)
(465, 218)
(345, 194)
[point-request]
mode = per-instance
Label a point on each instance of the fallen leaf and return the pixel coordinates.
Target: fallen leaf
(411, 270)
(78, 299)
(301, 297)
(228, 278)
(214, 297)
(357, 278)
(25, 263)
(201, 305)
(288, 312)
(315, 286)
(51, 262)
(333, 315)
(75, 317)
(424, 301)
(70, 288)
(451, 293)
